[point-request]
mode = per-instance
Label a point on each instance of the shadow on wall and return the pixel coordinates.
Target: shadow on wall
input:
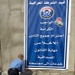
(0, 71)
(27, 71)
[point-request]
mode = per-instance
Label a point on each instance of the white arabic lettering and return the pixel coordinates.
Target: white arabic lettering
(38, 3)
(44, 50)
(46, 2)
(55, 2)
(48, 22)
(46, 36)
(62, 2)
(44, 29)
(45, 57)
(34, 35)
(47, 63)
(32, 3)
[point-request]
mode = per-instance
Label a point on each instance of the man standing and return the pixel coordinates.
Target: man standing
(16, 66)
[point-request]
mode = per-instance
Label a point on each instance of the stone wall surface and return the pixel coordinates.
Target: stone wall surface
(12, 37)
(11, 30)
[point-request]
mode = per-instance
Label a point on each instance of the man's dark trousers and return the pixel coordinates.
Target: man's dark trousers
(13, 71)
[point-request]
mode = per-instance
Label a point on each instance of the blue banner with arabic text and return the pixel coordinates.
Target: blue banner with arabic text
(47, 33)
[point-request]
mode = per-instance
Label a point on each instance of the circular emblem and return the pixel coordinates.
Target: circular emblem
(46, 12)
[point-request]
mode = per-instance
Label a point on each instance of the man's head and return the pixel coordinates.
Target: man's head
(20, 56)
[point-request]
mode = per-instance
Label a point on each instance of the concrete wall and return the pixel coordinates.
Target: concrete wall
(12, 34)
(11, 30)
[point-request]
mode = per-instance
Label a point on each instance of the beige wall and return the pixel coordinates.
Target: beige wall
(11, 30)
(12, 36)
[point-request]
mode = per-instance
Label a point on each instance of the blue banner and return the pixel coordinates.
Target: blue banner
(47, 33)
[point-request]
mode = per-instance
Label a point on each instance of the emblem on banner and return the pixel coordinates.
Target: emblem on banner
(59, 21)
(46, 12)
